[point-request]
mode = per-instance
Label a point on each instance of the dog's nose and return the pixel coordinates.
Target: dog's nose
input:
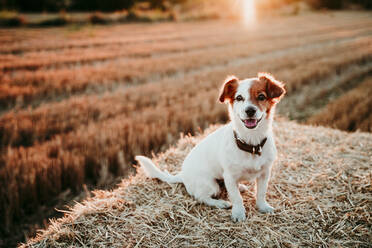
(250, 111)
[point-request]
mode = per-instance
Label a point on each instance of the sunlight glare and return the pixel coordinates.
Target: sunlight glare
(249, 12)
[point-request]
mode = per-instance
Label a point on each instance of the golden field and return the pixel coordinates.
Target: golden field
(78, 103)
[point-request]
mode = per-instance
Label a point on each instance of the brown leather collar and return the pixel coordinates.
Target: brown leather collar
(257, 149)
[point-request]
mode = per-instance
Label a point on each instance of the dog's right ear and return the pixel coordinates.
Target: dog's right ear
(229, 89)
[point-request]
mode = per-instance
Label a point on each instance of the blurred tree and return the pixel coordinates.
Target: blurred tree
(331, 4)
(8, 4)
(106, 5)
(162, 4)
(158, 4)
(112, 5)
(42, 5)
(364, 3)
(339, 4)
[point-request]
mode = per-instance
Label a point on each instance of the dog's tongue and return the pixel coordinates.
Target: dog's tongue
(250, 122)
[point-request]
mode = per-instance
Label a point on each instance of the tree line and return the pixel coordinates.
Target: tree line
(79, 5)
(112, 5)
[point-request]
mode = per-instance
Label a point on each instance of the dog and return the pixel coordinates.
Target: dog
(243, 149)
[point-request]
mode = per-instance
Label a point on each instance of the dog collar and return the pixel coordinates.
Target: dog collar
(257, 149)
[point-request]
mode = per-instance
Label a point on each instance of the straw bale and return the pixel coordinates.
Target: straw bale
(320, 187)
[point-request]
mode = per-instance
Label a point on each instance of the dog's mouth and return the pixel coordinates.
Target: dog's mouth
(251, 122)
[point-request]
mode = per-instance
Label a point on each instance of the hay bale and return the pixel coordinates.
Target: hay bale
(320, 187)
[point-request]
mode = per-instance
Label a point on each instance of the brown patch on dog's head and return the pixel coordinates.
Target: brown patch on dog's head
(275, 89)
(229, 89)
(266, 92)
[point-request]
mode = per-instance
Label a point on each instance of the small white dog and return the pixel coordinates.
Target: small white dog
(244, 149)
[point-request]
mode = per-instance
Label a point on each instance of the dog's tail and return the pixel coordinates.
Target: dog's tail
(152, 171)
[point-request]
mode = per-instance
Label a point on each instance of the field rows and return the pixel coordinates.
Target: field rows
(20, 129)
(152, 49)
(94, 112)
(24, 87)
(34, 40)
(38, 59)
(312, 98)
(111, 36)
(349, 112)
(45, 58)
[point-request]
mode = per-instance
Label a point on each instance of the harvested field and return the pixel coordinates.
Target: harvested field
(322, 195)
(100, 71)
(77, 105)
(350, 111)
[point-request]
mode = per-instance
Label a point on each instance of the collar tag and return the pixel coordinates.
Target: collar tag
(257, 149)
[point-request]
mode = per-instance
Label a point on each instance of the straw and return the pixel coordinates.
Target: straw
(320, 187)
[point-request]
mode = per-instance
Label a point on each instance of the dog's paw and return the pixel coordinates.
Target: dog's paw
(223, 204)
(242, 187)
(238, 213)
(265, 208)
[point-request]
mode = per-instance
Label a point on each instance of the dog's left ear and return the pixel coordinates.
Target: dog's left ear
(229, 89)
(274, 88)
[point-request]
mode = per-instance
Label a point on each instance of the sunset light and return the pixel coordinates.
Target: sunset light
(249, 11)
(153, 123)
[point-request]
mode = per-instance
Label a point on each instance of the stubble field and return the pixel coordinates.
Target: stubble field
(77, 105)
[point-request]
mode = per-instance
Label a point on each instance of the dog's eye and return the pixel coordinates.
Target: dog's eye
(261, 97)
(239, 98)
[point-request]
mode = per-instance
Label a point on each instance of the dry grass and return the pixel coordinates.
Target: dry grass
(320, 187)
(312, 98)
(350, 112)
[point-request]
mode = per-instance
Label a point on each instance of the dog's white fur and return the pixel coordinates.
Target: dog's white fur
(218, 157)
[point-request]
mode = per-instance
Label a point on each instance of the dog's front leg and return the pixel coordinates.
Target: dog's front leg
(261, 187)
(238, 210)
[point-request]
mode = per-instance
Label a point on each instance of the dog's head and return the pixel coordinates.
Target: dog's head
(253, 99)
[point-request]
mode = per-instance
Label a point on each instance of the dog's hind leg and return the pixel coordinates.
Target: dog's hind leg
(216, 203)
(204, 190)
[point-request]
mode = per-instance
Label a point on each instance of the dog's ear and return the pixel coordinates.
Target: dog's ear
(274, 88)
(228, 89)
